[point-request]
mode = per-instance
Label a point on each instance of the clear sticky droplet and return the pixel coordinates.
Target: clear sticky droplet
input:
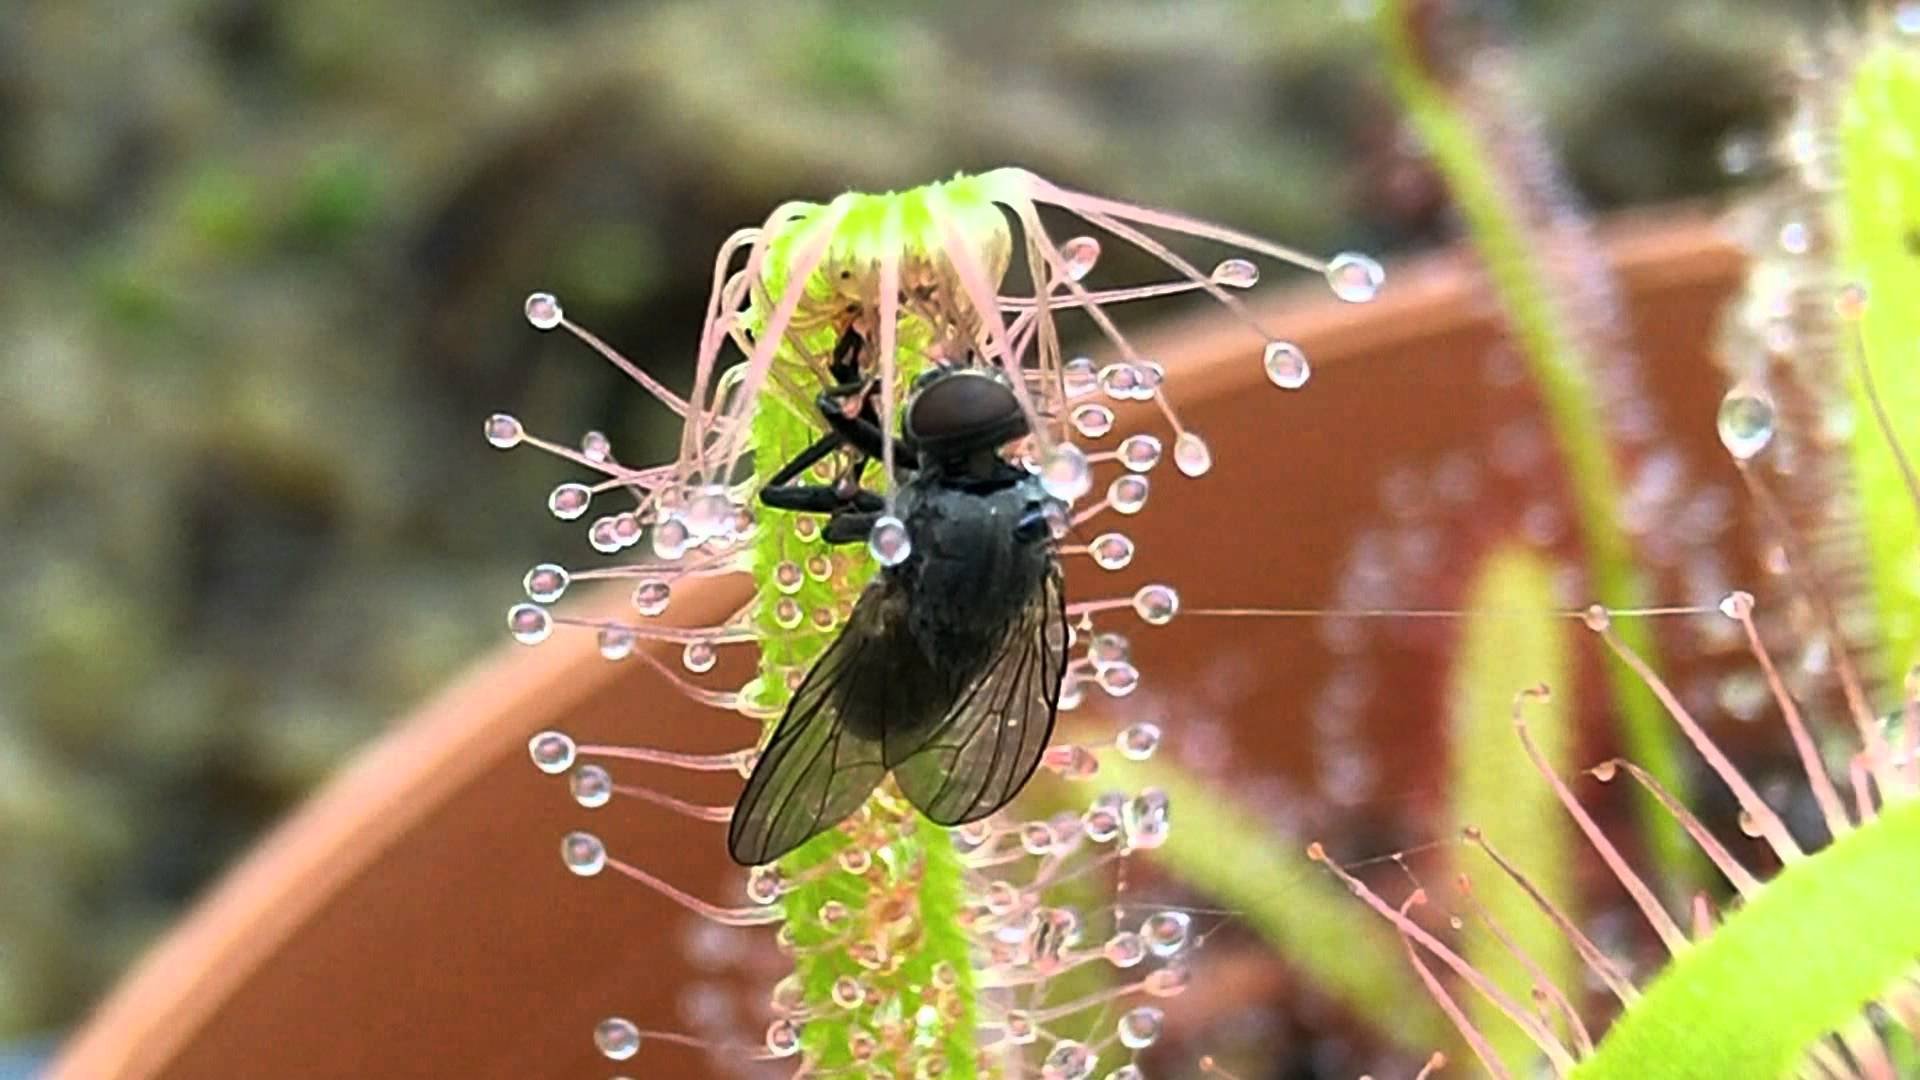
(529, 623)
(783, 1038)
(1286, 365)
(552, 752)
(1131, 1071)
(1145, 821)
(651, 597)
(1169, 981)
(592, 786)
(699, 657)
(1139, 1027)
(1166, 932)
(594, 446)
(1354, 277)
(602, 536)
(787, 613)
(616, 642)
(671, 539)
(1065, 474)
(1121, 381)
(1092, 419)
(1111, 551)
(543, 311)
(1118, 680)
(1745, 421)
(788, 577)
(1078, 377)
(1128, 493)
(1139, 453)
(617, 1038)
(569, 501)
(1068, 1060)
(1124, 949)
(1156, 604)
(888, 542)
(1079, 254)
(546, 583)
(504, 431)
(1137, 742)
(1236, 273)
(583, 853)
(1191, 454)
(710, 513)
(765, 884)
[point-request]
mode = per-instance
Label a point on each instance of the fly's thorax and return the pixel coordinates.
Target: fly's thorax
(971, 571)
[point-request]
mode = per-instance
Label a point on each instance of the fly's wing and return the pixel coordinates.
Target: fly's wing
(990, 741)
(826, 756)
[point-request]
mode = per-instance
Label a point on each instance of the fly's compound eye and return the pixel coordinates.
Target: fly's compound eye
(958, 412)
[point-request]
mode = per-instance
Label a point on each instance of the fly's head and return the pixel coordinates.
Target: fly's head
(959, 418)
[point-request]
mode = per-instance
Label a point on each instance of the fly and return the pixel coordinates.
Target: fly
(948, 671)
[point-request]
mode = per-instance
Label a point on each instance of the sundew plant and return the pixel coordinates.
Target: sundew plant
(1808, 971)
(916, 951)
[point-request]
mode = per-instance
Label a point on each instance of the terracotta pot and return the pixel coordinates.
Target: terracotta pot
(413, 919)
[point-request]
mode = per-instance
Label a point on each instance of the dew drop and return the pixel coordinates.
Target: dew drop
(591, 785)
(1092, 419)
(1124, 949)
(1146, 819)
(568, 501)
(1169, 981)
(1156, 604)
(788, 577)
(1745, 421)
(1111, 551)
(504, 432)
(617, 1037)
(1128, 493)
(545, 583)
(1140, 1027)
(765, 884)
(616, 642)
(543, 311)
(583, 853)
(1079, 254)
(670, 539)
(1139, 453)
(1137, 742)
(783, 1038)
(1078, 378)
(552, 752)
(1166, 932)
(1065, 474)
(1354, 277)
(651, 596)
(1068, 1060)
(698, 657)
(529, 623)
(1191, 454)
(1118, 680)
(1286, 365)
(595, 447)
(889, 542)
(1236, 273)
(602, 536)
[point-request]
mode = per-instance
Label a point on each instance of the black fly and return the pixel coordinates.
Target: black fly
(948, 672)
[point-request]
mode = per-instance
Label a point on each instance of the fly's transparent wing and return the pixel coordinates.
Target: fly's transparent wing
(990, 741)
(826, 756)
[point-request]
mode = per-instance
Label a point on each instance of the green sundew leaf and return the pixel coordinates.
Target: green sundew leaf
(1221, 848)
(1880, 160)
(1495, 787)
(1823, 938)
(1561, 372)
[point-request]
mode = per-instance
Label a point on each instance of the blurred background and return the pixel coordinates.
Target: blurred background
(261, 271)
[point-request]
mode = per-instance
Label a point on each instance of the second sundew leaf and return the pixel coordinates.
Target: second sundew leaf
(1554, 358)
(915, 864)
(1824, 937)
(1514, 641)
(1880, 164)
(1226, 851)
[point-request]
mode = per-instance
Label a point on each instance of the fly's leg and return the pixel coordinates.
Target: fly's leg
(855, 525)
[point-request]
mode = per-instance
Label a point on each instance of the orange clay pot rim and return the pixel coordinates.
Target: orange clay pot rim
(391, 785)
